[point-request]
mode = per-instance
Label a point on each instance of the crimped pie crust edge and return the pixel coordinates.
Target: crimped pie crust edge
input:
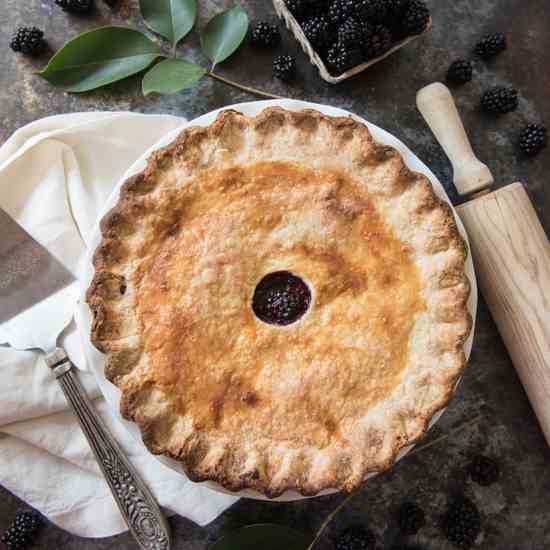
(440, 241)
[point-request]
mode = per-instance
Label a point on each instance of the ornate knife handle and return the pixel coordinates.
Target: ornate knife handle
(136, 503)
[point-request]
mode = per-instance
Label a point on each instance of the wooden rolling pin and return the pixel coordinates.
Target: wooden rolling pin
(509, 247)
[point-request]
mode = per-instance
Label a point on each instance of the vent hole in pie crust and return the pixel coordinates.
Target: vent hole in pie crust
(281, 298)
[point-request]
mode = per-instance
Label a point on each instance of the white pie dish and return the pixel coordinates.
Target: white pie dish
(95, 359)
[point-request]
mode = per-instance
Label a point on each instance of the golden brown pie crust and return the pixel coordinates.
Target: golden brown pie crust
(313, 405)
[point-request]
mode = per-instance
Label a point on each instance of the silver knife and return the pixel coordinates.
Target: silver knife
(33, 281)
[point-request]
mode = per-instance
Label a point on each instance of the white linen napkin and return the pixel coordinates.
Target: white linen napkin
(55, 175)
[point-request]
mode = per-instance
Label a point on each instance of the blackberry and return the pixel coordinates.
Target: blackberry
(407, 547)
(395, 9)
(280, 297)
(297, 8)
(411, 518)
(483, 470)
(340, 10)
(373, 10)
(500, 100)
(284, 67)
(460, 71)
(491, 45)
(76, 6)
(28, 40)
(264, 35)
(355, 538)
(14, 539)
(19, 533)
(376, 40)
(462, 523)
(341, 58)
(316, 7)
(350, 32)
(28, 522)
(532, 140)
(319, 31)
(415, 18)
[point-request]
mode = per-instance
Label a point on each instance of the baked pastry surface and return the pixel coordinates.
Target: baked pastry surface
(316, 403)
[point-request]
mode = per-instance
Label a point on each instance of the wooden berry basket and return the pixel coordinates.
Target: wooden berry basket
(294, 27)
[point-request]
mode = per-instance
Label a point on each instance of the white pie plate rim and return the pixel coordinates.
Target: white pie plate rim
(95, 360)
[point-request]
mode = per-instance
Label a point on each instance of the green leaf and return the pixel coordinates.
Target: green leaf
(99, 57)
(266, 536)
(224, 33)
(172, 19)
(171, 75)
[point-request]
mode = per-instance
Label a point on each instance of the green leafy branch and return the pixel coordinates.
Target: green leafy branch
(108, 54)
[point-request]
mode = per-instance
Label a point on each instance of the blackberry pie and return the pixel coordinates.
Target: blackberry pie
(281, 301)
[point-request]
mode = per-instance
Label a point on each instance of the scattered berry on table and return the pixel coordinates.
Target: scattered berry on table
(491, 45)
(460, 71)
(415, 18)
(264, 35)
(297, 8)
(462, 523)
(532, 140)
(284, 67)
(500, 100)
(355, 538)
(340, 10)
(483, 470)
(19, 534)
(28, 40)
(373, 10)
(341, 58)
(411, 518)
(76, 6)
(350, 32)
(376, 40)
(319, 31)
(28, 521)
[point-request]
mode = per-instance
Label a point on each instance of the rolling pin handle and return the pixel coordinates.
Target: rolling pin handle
(438, 108)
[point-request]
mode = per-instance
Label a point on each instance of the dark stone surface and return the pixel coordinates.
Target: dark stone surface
(516, 511)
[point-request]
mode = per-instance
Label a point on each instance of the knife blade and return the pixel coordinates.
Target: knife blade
(28, 272)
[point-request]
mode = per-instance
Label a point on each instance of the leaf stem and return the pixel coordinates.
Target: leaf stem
(414, 451)
(242, 87)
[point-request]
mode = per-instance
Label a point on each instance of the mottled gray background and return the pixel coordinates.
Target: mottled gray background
(516, 511)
